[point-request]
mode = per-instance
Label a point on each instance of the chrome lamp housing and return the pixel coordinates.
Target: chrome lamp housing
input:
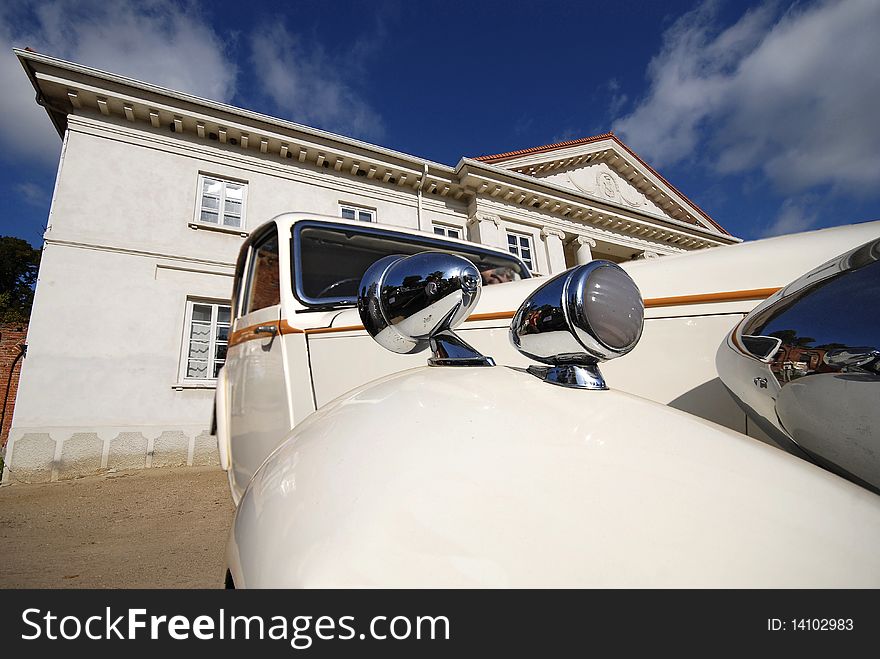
(585, 315)
(411, 303)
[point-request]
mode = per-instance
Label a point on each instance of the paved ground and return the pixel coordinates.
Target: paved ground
(140, 529)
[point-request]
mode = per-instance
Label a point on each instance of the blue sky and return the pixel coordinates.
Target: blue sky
(763, 113)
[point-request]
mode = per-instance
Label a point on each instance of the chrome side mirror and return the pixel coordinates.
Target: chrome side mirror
(805, 365)
(410, 303)
(585, 315)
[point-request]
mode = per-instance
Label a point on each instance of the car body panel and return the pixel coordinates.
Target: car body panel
(805, 364)
(447, 477)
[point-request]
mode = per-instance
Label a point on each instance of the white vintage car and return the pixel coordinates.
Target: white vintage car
(389, 416)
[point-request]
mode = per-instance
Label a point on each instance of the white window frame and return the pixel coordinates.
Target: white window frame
(446, 228)
(354, 208)
(182, 377)
(221, 204)
(519, 237)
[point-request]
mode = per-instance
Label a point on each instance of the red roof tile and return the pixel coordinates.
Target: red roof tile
(499, 157)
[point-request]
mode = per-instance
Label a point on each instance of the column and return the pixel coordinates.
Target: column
(555, 250)
(583, 247)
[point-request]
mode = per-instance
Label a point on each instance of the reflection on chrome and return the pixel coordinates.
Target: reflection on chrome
(588, 314)
(410, 303)
(816, 344)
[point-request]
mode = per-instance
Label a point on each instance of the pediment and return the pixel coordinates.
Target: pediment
(599, 180)
(604, 169)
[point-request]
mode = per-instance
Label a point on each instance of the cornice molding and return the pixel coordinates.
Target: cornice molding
(599, 231)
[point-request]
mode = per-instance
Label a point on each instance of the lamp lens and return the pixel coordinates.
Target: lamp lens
(614, 308)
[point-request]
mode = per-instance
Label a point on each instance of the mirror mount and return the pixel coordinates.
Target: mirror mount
(574, 376)
(451, 350)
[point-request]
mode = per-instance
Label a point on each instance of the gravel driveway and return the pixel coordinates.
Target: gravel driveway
(141, 529)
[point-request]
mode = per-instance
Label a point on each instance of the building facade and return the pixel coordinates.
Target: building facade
(156, 191)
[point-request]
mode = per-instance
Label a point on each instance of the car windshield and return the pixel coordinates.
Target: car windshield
(329, 260)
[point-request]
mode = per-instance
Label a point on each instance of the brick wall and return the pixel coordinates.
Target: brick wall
(11, 338)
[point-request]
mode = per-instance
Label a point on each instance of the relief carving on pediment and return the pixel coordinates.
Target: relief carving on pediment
(631, 197)
(602, 183)
(607, 185)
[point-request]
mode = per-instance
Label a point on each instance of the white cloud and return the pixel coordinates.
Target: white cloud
(25, 131)
(32, 194)
(157, 41)
(307, 86)
(794, 93)
(566, 135)
(617, 99)
(795, 215)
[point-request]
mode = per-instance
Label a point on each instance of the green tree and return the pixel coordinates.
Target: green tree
(789, 337)
(19, 263)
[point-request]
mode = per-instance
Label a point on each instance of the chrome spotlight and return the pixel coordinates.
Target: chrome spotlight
(410, 303)
(588, 314)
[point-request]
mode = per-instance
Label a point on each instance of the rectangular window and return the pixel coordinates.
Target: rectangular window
(221, 202)
(449, 232)
(207, 335)
(349, 212)
(521, 245)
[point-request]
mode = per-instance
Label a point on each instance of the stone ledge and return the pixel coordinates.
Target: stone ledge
(41, 457)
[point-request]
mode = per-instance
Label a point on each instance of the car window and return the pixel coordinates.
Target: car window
(263, 285)
(329, 260)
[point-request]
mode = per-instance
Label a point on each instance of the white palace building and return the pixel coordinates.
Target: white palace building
(154, 195)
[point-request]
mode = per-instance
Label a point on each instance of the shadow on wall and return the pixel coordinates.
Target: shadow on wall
(713, 402)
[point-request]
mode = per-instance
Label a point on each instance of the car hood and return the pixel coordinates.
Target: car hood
(441, 477)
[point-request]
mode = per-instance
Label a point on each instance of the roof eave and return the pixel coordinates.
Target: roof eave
(26, 56)
(57, 117)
